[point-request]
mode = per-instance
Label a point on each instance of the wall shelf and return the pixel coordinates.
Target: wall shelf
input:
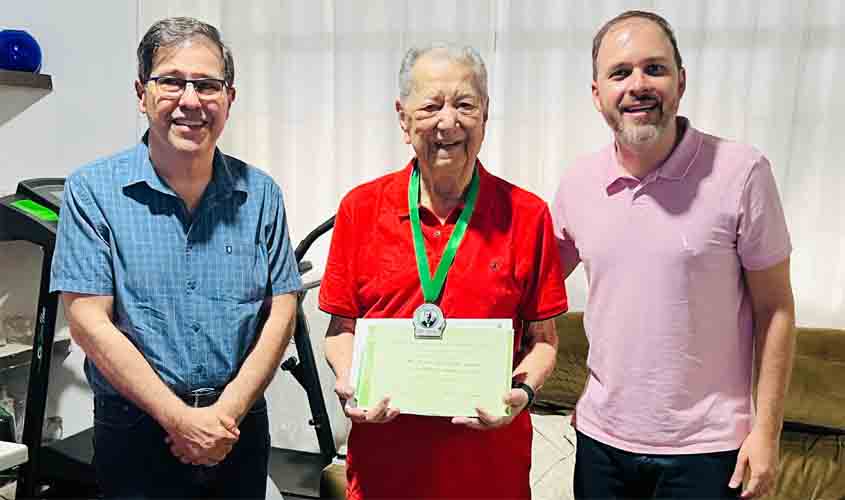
(15, 354)
(20, 90)
(26, 80)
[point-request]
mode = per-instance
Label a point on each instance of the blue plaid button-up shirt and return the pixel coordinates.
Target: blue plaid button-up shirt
(188, 288)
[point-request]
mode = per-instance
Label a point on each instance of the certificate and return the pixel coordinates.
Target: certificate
(469, 367)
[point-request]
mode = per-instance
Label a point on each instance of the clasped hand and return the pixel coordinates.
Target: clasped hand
(202, 436)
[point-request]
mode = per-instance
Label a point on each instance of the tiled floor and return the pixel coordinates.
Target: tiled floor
(553, 457)
(552, 467)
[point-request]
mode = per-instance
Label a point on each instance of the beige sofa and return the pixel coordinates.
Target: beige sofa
(813, 441)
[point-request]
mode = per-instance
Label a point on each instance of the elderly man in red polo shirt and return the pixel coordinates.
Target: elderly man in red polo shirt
(505, 266)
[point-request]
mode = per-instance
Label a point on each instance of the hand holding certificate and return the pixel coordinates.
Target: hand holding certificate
(469, 367)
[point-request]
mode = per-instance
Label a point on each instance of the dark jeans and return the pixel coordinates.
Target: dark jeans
(602, 471)
(133, 461)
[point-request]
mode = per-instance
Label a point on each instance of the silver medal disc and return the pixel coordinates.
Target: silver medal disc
(429, 321)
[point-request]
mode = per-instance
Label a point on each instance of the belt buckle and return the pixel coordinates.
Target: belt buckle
(196, 395)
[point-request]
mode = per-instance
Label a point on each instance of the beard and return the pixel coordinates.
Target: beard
(639, 134)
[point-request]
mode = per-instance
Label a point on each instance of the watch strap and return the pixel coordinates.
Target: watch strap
(528, 390)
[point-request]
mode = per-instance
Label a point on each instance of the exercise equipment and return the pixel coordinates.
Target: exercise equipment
(297, 474)
(31, 214)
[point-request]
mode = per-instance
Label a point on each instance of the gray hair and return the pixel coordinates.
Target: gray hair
(461, 54)
(173, 31)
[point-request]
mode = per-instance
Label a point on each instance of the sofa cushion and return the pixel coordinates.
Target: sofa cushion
(564, 385)
(816, 393)
(812, 467)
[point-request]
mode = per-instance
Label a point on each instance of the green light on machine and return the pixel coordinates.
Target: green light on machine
(36, 210)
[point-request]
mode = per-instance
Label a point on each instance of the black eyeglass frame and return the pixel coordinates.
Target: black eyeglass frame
(182, 83)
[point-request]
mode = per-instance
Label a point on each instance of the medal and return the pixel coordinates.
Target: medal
(429, 321)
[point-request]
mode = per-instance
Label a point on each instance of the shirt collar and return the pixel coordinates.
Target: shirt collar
(674, 168)
(397, 190)
(223, 181)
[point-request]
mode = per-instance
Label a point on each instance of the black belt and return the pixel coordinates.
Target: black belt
(200, 398)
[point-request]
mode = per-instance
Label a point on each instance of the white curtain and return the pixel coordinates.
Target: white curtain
(316, 83)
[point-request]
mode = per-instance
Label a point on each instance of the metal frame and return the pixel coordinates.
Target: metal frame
(305, 468)
(305, 371)
(15, 225)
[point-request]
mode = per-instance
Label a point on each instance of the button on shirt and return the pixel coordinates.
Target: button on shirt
(188, 288)
(668, 314)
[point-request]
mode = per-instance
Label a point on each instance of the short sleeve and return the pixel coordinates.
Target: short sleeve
(338, 292)
(545, 293)
(565, 244)
(82, 257)
(762, 236)
(283, 270)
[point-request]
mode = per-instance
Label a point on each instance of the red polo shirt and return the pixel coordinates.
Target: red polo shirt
(507, 266)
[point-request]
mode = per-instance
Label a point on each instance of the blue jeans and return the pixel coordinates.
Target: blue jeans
(132, 459)
(603, 472)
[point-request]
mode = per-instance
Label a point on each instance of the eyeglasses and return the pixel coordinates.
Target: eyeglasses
(173, 87)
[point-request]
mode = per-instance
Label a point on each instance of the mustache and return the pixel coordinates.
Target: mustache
(642, 101)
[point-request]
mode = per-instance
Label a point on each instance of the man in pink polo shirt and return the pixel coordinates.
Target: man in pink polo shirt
(686, 252)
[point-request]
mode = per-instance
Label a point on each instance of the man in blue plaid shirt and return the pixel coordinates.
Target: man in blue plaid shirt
(179, 283)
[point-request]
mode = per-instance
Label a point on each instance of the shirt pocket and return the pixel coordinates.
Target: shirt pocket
(239, 272)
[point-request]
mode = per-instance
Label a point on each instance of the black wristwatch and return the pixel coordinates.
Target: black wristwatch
(528, 390)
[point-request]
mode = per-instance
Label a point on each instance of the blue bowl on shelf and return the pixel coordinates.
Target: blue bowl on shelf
(19, 51)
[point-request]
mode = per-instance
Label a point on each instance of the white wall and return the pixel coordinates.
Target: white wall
(89, 51)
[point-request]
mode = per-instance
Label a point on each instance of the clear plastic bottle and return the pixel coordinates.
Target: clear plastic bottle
(18, 328)
(52, 429)
(3, 334)
(7, 416)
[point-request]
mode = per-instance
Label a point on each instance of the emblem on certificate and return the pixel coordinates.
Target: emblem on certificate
(429, 322)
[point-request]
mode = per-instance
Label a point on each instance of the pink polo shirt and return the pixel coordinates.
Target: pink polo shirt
(668, 316)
